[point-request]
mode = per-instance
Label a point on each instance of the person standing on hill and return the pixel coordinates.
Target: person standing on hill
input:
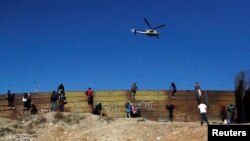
(231, 109)
(223, 114)
(29, 101)
(89, 94)
(134, 89)
(203, 113)
(170, 111)
(11, 99)
(8, 98)
(25, 101)
(54, 99)
(173, 89)
(63, 101)
(128, 109)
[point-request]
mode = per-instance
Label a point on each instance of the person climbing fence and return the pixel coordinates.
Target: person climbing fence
(198, 93)
(134, 89)
(173, 89)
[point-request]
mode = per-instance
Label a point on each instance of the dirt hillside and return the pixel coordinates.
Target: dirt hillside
(88, 127)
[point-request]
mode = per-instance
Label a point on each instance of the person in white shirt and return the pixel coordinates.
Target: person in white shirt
(25, 101)
(203, 113)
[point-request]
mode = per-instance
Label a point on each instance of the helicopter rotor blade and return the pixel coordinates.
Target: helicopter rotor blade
(147, 23)
(159, 26)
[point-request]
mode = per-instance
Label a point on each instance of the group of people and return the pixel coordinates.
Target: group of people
(132, 110)
(26, 99)
(231, 110)
(202, 103)
(134, 89)
(28, 105)
(201, 99)
(203, 107)
(58, 98)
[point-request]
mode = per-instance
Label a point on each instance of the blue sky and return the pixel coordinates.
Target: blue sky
(88, 43)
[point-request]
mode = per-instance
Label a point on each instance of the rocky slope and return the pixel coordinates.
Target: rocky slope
(88, 127)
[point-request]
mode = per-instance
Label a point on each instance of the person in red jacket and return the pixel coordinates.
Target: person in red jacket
(89, 94)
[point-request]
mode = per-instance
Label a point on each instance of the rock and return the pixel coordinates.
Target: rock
(158, 138)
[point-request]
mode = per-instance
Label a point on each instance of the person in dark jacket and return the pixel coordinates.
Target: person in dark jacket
(170, 111)
(33, 109)
(198, 94)
(54, 99)
(28, 101)
(231, 109)
(223, 113)
(97, 110)
(60, 89)
(63, 101)
(173, 89)
(11, 99)
(134, 89)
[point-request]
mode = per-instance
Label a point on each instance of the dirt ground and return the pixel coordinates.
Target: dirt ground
(88, 127)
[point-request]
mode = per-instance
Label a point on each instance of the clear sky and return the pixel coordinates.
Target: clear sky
(88, 43)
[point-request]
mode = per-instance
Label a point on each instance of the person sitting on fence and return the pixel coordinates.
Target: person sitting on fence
(33, 109)
(135, 111)
(97, 110)
(89, 94)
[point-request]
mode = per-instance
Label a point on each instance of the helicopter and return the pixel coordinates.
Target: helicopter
(149, 32)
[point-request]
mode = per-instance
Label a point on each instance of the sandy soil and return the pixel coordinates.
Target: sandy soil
(88, 127)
